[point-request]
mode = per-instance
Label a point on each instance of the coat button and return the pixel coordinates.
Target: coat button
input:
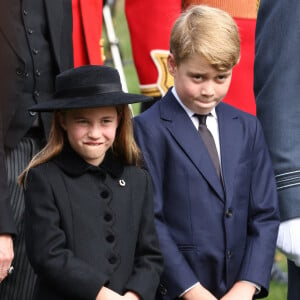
(110, 238)
(37, 73)
(25, 12)
(112, 259)
(33, 113)
(107, 217)
(228, 213)
(104, 194)
(30, 31)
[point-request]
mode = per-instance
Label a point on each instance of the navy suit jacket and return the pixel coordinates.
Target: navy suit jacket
(210, 233)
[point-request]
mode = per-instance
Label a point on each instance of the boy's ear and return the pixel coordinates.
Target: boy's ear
(171, 64)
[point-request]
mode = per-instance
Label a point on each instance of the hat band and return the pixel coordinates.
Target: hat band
(87, 91)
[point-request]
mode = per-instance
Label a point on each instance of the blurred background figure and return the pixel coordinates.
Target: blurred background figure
(277, 88)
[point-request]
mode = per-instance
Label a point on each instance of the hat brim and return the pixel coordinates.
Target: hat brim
(103, 100)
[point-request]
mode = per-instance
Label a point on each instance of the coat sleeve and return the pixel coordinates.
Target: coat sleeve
(148, 263)
(46, 242)
(178, 275)
(276, 88)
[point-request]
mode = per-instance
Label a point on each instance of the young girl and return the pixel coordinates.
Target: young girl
(89, 218)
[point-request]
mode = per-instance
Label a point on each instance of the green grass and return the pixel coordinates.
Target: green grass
(277, 291)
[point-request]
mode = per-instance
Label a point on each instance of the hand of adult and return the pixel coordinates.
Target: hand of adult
(288, 240)
(6, 255)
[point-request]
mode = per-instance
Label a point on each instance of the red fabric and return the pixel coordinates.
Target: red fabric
(87, 30)
(150, 24)
(241, 93)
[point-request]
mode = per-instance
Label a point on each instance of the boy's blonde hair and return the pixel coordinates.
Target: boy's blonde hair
(209, 32)
(124, 146)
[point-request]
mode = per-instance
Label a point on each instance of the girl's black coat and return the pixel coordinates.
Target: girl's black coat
(88, 226)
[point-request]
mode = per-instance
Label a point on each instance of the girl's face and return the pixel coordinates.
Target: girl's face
(91, 131)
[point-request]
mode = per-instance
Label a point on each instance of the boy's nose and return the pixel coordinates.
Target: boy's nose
(207, 89)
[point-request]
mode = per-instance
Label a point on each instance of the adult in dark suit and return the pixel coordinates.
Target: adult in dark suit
(277, 89)
(36, 44)
(217, 233)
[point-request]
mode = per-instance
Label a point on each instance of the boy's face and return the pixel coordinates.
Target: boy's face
(91, 131)
(199, 86)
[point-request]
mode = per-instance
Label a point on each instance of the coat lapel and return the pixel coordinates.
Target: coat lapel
(184, 132)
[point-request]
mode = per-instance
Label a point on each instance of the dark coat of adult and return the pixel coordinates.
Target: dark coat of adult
(15, 71)
(88, 227)
(209, 233)
(277, 93)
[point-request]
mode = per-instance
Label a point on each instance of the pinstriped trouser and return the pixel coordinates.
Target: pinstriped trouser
(20, 284)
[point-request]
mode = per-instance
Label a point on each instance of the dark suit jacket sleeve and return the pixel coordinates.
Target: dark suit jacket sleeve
(263, 217)
(7, 225)
(180, 274)
(276, 87)
(46, 244)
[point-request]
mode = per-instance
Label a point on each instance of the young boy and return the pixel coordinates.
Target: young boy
(217, 219)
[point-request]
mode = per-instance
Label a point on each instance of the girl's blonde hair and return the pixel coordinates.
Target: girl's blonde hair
(124, 145)
(209, 32)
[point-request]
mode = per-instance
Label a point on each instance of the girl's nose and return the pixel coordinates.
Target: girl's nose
(94, 131)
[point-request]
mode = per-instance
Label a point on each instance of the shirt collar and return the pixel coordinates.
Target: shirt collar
(73, 164)
(189, 112)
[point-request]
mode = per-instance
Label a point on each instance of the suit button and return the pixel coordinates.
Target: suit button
(33, 113)
(110, 238)
(36, 93)
(35, 51)
(229, 254)
(112, 259)
(107, 217)
(104, 194)
(30, 31)
(228, 213)
(163, 291)
(19, 72)
(25, 12)
(37, 73)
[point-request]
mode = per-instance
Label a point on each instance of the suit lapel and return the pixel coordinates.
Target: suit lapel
(184, 132)
(8, 29)
(230, 136)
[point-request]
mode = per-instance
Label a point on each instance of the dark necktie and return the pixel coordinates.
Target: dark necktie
(209, 142)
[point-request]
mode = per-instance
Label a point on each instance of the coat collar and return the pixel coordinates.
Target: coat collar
(71, 163)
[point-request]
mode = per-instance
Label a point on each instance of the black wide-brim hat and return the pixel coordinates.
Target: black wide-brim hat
(88, 87)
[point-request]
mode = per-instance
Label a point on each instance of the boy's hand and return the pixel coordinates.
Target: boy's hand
(240, 291)
(198, 292)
